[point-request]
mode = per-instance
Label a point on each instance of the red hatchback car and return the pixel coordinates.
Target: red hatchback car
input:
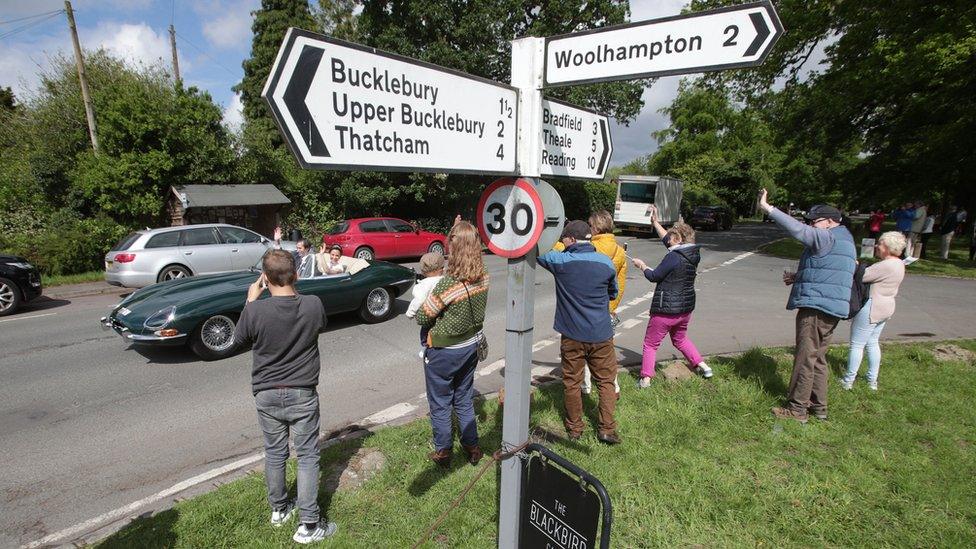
(382, 238)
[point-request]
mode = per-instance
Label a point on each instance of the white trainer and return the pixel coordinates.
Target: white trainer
(321, 531)
(703, 370)
(281, 516)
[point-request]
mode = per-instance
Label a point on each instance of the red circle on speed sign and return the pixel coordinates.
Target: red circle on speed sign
(510, 217)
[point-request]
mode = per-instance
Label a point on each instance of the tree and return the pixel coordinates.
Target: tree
(7, 100)
(152, 136)
(270, 24)
(889, 110)
(722, 153)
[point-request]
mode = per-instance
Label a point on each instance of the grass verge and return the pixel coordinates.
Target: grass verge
(957, 266)
(702, 464)
(59, 280)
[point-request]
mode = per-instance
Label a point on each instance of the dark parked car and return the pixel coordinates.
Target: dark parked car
(20, 282)
(202, 311)
(717, 218)
(382, 238)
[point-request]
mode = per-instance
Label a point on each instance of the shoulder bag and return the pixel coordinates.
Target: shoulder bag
(482, 339)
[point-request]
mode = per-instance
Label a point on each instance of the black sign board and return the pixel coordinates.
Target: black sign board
(558, 510)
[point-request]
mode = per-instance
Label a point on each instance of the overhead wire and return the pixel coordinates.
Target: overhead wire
(26, 17)
(207, 55)
(30, 25)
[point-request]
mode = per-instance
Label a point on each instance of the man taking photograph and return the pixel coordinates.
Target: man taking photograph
(283, 331)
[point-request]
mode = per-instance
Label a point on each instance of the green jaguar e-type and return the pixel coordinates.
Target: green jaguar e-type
(203, 310)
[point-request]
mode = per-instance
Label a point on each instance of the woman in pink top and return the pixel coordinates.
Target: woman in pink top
(884, 276)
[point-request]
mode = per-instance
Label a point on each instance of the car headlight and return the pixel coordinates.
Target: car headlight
(161, 318)
(20, 265)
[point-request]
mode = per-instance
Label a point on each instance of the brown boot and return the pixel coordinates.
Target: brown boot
(474, 454)
(441, 457)
(786, 413)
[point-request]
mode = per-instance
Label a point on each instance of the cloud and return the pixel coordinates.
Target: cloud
(630, 142)
(234, 114)
(231, 29)
(132, 42)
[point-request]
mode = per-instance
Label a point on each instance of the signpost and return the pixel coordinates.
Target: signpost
(725, 38)
(576, 141)
(343, 106)
(346, 106)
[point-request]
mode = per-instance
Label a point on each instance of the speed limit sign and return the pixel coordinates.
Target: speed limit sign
(510, 217)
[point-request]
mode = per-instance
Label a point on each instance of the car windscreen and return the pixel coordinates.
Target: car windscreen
(338, 228)
(638, 192)
(703, 210)
(126, 242)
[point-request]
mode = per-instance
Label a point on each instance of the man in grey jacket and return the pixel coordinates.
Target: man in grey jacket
(821, 294)
(283, 331)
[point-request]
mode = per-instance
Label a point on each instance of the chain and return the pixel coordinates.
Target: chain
(496, 457)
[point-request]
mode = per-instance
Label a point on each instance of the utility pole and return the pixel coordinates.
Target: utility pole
(176, 60)
(82, 77)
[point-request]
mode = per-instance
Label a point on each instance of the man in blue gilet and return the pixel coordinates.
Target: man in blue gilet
(821, 295)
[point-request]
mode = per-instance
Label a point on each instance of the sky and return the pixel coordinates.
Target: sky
(213, 38)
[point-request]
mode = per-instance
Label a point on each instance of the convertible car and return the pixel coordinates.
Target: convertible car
(202, 310)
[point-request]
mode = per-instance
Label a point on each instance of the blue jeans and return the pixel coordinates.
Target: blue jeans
(863, 333)
(295, 410)
(449, 375)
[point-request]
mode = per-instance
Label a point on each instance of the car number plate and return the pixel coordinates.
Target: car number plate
(124, 312)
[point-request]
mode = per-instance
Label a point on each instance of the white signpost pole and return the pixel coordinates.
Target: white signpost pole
(528, 59)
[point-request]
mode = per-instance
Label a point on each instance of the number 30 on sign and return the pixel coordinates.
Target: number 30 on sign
(510, 217)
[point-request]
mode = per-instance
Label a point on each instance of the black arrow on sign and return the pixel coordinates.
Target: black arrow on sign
(606, 147)
(762, 32)
(294, 97)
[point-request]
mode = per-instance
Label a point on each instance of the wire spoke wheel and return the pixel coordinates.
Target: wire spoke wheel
(436, 248)
(378, 302)
(217, 333)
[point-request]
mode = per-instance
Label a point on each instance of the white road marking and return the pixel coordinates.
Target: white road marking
(726, 263)
(630, 323)
(393, 412)
(492, 368)
(622, 308)
(27, 317)
(542, 344)
(121, 512)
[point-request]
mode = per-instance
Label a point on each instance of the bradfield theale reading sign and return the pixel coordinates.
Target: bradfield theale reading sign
(575, 142)
(732, 37)
(346, 106)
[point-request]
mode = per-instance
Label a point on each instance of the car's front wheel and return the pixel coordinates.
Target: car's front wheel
(436, 248)
(378, 305)
(364, 253)
(9, 297)
(213, 339)
(173, 272)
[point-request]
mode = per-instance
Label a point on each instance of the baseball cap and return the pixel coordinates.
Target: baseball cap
(580, 230)
(431, 261)
(822, 211)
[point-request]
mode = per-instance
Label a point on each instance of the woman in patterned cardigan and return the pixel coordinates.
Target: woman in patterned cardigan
(455, 313)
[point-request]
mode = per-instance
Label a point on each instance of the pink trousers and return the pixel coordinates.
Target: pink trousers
(661, 325)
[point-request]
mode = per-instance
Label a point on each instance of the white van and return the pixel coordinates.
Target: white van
(636, 193)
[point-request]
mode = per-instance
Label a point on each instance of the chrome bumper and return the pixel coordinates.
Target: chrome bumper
(109, 324)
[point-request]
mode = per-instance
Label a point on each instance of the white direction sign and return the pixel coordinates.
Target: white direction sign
(345, 106)
(724, 38)
(575, 142)
(510, 217)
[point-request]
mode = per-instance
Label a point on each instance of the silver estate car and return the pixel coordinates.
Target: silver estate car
(154, 255)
